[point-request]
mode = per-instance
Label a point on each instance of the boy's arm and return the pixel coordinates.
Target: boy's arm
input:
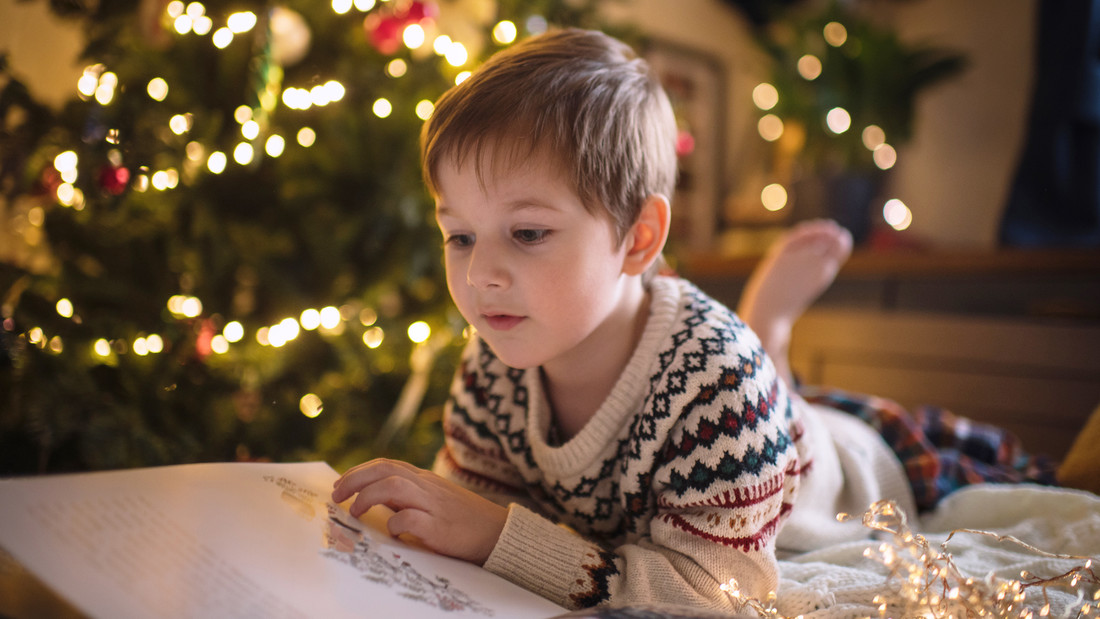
(692, 550)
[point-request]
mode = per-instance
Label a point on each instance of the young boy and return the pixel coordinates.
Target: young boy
(642, 415)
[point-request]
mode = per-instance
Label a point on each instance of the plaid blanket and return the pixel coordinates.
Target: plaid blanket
(941, 451)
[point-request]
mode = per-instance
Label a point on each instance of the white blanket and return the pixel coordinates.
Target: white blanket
(839, 581)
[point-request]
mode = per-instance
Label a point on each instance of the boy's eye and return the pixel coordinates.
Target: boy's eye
(531, 236)
(459, 240)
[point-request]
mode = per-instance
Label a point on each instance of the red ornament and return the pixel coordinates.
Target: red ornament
(113, 179)
(384, 32)
(419, 11)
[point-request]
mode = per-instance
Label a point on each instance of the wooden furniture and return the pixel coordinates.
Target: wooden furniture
(1008, 337)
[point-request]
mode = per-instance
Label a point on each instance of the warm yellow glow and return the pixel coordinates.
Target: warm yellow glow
(195, 9)
(174, 9)
(368, 317)
(88, 82)
(382, 107)
(66, 194)
(397, 67)
(765, 96)
(56, 345)
(233, 331)
(65, 307)
(216, 162)
(441, 44)
(243, 153)
(835, 34)
(160, 180)
(770, 127)
(330, 317)
(155, 343)
(461, 77)
(365, 5)
(424, 109)
(809, 67)
(172, 178)
(897, 214)
(310, 405)
(306, 137)
(241, 22)
(140, 347)
(419, 332)
(182, 24)
(457, 54)
(219, 345)
(70, 176)
(202, 25)
(157, 89)
(504, 32)
(102, 347)
(191, 307)
(774, 197)
(310, 319)
(334, 90)
(275, 145)
(262, 336)
(885, 156)
(195, 151)
(242, 114)
(35, 335)
(873, 137)
(250, 129)
(222, 37)
(413, 36)
(178, 124)
(341, 6)
(838, 120)
(373, 337)
(65, 161)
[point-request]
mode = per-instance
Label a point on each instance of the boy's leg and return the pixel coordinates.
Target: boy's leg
(794, 272)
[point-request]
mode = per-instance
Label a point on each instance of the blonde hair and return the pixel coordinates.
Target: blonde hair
(581, 97)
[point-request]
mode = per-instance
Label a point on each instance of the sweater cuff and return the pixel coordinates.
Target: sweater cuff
(538, 555)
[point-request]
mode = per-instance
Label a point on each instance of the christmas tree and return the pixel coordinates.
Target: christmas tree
(234, 255)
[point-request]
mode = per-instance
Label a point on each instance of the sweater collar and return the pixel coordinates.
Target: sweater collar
(622, 403)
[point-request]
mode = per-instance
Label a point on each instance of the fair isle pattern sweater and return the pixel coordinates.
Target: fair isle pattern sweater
(678, 483)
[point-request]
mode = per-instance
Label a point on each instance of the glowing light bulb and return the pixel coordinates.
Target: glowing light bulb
(373, 337)
(424, 109)
(885, 156)
(774, 197)
(413, 36)
(154, 343)
(330, 317)
(222, 37)
(275, 145)
(157, 89)
(397, 67)
(382, 107)
(310, 319)
(457, 55)
(809, 67)
(233, 331)
(310, 405)
(765, 96)
(838, 120)
(770, 127)
(873, 137)
(102, 347)
(504, 32)
(241, 22)
(419, 332)
(250, 129)
(835, 33)
(219, 345)
(243, 153)
(216, 162)
(341, 6)
(65, 308)
(897, 214)
(306, 137)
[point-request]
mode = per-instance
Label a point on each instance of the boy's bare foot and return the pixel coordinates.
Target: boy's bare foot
(794, 272)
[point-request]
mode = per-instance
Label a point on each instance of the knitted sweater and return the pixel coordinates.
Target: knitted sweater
(678, 483)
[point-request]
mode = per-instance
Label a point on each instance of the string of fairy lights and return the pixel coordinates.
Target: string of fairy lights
(923, 581)
(100, 84)
(837, 120)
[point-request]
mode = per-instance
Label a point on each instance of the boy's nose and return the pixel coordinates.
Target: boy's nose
(486, 269)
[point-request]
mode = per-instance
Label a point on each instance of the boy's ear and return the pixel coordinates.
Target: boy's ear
(647, 237)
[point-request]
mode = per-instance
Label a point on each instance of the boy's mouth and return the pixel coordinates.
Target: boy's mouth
(502, 322)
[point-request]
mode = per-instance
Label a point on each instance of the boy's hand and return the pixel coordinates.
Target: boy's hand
(448, 519)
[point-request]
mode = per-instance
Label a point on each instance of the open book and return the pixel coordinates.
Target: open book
(233, 540)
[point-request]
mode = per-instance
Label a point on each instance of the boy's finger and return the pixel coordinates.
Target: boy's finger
(395, 492)
(367, 473)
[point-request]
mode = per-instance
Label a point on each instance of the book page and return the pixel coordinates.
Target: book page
(233, 540)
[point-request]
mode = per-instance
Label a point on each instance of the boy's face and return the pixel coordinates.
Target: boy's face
(539, 276)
